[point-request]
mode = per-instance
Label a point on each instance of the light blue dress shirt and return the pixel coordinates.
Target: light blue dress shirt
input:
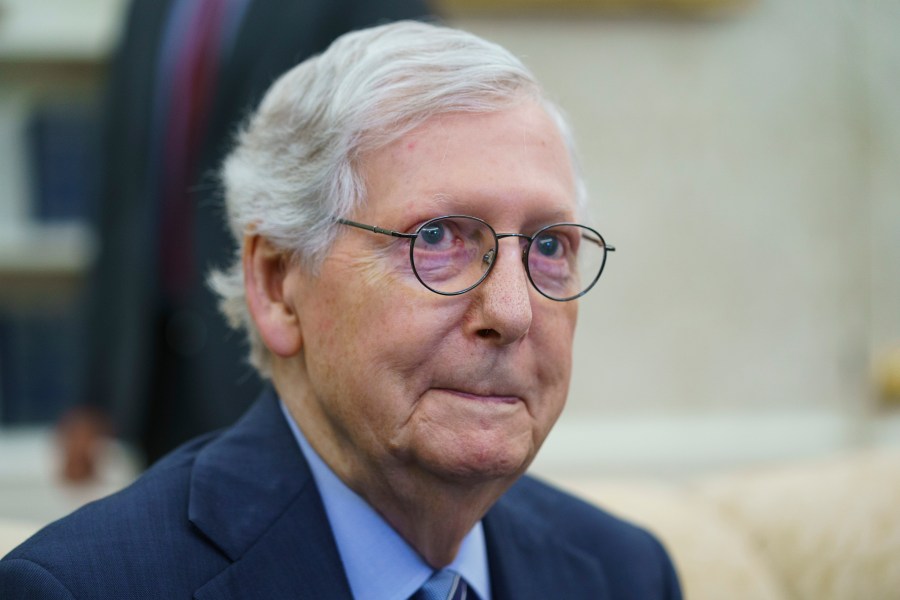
(381, 565)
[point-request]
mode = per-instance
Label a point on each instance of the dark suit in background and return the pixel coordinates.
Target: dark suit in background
(238, 516)
(165, 371)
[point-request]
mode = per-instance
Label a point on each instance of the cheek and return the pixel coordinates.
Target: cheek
(376, 341)
(556, 331)
(554, 334)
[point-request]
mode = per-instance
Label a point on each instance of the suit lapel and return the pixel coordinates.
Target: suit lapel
(253, 496)
(528, 561)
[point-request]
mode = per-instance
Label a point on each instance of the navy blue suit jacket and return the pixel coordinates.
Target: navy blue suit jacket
(238, 515)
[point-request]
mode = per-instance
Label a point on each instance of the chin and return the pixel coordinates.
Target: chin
(472, 462)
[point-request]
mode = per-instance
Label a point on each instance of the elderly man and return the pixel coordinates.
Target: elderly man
(411, 255)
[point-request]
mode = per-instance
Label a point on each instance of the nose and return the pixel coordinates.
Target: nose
(502, 312)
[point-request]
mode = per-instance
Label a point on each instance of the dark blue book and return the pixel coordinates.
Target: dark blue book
(40, 352)
(38, 367)
(63, 143)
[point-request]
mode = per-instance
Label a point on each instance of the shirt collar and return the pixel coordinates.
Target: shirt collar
(379, 563)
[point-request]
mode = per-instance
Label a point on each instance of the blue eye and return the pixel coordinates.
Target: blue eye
(432, 234)
(547, 245)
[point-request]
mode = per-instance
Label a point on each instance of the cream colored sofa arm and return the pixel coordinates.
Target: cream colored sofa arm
(715, 559)
(13, 533)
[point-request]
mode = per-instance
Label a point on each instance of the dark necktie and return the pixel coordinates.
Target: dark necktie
(195, 48)
(444, 585)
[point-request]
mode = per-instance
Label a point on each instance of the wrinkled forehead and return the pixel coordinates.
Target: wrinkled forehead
(538, 129)
(483, 164)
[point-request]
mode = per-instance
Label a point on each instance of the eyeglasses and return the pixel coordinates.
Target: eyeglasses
(453, 254)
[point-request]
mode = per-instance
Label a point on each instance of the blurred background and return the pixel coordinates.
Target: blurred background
(742, 156)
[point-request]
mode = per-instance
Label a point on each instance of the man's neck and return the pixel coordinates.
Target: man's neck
(432, 514)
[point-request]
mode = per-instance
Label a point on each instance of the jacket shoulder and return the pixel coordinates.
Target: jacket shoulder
(124, 545)
(577, 520)
(635, 562)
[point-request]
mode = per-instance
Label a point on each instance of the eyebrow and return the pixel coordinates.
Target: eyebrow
(557, 215)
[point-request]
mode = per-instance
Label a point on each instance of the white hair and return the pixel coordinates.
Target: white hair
(294, 168)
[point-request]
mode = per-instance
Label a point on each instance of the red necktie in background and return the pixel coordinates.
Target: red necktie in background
(192, 88)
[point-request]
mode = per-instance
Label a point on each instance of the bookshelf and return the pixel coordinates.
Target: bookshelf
(51, 52)
(53, 56)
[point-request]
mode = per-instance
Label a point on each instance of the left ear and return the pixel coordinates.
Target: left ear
(265, 272)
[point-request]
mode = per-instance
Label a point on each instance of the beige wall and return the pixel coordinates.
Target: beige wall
(744, 169)
(747, 170)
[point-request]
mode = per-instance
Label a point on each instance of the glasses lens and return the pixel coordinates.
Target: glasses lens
(564, 261)
(450, 255)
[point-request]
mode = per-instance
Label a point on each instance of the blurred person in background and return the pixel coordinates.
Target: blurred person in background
(412, 258)
(161, 365)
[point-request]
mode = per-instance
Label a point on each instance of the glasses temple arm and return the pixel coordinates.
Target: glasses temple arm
(599, 243)
(375, 229)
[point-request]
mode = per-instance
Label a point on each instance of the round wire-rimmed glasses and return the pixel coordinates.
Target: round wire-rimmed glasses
(453, 254)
